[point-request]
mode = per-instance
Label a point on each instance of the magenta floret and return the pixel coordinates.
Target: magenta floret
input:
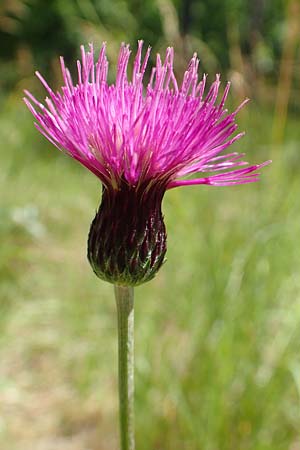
(134, 133)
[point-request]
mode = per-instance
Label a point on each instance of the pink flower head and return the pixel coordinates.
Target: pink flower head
(135, 133)
(139, 141)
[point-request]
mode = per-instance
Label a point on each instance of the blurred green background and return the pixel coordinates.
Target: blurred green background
(218, 330)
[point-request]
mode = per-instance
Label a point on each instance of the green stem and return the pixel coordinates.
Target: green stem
(124, 300)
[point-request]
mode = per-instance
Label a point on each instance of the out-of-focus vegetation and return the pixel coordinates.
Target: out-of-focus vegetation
(244, 36)
(218, 330)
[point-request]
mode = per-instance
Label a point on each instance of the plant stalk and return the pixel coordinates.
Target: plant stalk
(125, 308)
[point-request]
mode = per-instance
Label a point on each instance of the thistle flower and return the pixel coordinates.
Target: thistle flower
(139, 144)
(139, 141)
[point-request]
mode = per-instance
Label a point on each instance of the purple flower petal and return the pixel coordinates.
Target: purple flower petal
(135, 133)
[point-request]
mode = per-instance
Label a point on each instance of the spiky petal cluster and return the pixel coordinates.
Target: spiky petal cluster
(139, 141)
(121, 133)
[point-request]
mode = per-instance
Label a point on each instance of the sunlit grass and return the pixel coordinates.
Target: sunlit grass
(217, 331)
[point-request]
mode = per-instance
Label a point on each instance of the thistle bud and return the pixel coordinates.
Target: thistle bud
(127, 238)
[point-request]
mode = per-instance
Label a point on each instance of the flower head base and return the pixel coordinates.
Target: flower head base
(127, 239)
(139, 144)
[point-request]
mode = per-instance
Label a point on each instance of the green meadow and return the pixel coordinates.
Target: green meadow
(217, 331)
